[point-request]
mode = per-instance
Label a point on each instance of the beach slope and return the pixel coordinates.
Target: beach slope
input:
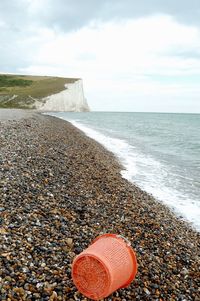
(59, 190)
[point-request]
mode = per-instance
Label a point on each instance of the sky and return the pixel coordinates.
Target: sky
(133, 55)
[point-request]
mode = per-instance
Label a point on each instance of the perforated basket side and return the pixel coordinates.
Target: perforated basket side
(91, 276)
(113, 250)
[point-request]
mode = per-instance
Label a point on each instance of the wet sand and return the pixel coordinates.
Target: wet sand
(59, 190)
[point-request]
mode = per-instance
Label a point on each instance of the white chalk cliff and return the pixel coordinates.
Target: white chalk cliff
(71, 99)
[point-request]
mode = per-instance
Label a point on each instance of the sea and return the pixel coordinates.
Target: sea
(159, 152)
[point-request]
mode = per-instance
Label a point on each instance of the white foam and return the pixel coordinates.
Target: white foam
(148, 173)
(117, 146)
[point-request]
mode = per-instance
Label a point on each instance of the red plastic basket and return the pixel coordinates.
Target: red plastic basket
(108, 264)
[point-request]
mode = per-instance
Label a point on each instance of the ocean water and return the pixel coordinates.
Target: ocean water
(160, 153)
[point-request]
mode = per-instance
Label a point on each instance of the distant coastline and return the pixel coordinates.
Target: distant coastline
(42, 93)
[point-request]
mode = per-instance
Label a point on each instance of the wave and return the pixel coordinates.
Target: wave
(147, 173)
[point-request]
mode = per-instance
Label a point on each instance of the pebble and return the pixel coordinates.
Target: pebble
(69, 241)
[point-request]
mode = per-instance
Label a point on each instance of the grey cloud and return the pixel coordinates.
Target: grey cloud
(12, 35)
(184, 10)
(187, 54)
(18, 21)
(184, 53)
(14, 14)
(71, 14)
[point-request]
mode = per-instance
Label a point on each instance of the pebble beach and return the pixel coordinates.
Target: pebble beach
(59, 190)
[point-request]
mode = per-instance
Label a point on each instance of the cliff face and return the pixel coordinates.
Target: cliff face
(71, 99)
(45, 93)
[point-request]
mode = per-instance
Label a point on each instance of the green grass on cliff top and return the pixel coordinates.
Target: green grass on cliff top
(34, 86)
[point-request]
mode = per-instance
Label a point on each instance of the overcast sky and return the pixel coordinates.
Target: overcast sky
(133, 55)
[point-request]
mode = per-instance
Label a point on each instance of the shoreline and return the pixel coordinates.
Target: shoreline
(59, 190)
(126, 172)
